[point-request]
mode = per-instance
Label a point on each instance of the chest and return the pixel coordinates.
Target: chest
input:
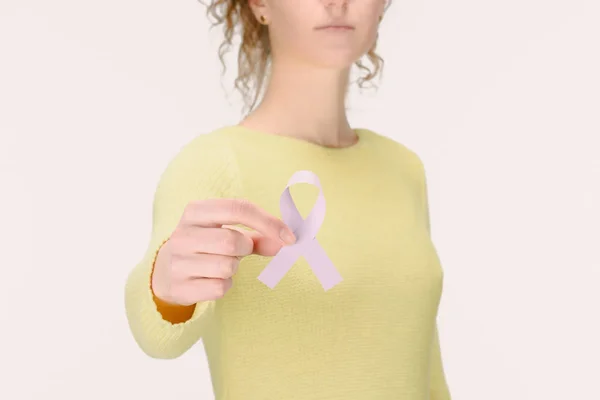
(374, 233)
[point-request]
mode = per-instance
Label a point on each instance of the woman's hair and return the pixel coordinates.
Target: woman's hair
(255, 48)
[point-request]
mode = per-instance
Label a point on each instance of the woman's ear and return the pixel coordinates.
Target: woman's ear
(260, 10)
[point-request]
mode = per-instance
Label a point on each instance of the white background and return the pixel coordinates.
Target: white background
(500, 99)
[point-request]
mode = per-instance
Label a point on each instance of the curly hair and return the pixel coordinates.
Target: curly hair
(255, 48)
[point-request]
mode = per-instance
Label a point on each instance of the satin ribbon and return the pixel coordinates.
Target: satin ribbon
(306, 244)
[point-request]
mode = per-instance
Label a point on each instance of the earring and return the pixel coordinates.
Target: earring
(380, 18)
(263, 20)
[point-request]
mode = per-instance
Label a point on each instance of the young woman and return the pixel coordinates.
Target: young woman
(216, 227)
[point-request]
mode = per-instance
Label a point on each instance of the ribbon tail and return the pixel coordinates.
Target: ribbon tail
(322, 266)
(278, 267)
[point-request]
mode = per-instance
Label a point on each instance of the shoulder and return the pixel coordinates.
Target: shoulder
(206, 142)
(203, 161)
(403, 159)
(204, 150)
(394, 148)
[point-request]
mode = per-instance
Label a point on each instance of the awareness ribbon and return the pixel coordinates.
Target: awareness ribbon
(306, 244)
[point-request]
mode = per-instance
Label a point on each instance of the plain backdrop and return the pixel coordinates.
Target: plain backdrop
(500, 99)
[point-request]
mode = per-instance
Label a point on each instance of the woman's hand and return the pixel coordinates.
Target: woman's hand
(201, 256)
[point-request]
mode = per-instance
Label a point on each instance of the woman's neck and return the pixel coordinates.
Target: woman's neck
(305, 102)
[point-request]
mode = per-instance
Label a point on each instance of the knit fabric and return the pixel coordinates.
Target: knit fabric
(373, 336)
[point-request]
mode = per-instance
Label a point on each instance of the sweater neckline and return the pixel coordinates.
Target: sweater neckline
(361, 133)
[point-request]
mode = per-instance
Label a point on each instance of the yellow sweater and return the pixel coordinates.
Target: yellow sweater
(371, 337)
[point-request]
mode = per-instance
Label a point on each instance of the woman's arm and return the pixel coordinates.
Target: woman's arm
(198, 172)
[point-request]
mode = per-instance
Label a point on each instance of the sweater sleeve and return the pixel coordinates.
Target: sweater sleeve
(201, 170)
(438, 384)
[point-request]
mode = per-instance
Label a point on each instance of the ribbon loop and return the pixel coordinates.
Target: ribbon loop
(306, 244)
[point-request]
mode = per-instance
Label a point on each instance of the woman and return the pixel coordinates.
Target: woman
(372, 336)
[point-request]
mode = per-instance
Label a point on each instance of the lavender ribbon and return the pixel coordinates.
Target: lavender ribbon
(306, 244)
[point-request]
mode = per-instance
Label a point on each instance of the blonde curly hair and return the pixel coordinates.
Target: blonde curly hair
(255, 48)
